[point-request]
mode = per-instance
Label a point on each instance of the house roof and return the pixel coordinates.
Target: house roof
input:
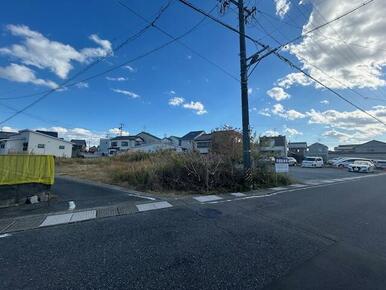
(318, 144)
(6, 135)
(44, 135)
(278, 140)
(372, 142)
(175, 137)
(204, 137)
(79, 142)
(49, 133)
(151, 135)
(192, 135)
(118, 138)
(297, 145)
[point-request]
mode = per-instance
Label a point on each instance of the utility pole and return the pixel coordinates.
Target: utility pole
(121, 128)
(244, 90)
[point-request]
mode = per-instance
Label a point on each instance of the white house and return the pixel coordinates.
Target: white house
(187, 141)
(275, 145)
(32, 142)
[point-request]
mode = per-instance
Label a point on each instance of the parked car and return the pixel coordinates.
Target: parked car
(381, 164)
(292, 161)
(344, 163)
(334, 160)
(361, 166)
(313, 162)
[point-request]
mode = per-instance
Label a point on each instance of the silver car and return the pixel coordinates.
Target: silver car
(361, 166)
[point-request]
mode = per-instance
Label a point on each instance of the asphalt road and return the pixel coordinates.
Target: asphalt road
(325, 237)
(84, 195)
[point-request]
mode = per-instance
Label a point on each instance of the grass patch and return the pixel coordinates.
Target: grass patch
(168, 171)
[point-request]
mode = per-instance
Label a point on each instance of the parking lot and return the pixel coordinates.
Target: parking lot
(300, 174)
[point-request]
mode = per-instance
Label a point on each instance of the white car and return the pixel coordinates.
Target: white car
(313, 162)
(344, 163)
(361, 166)
(292, 161)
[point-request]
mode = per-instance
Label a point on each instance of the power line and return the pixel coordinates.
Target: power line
(163, 31)
(65, 83)
(285, 59)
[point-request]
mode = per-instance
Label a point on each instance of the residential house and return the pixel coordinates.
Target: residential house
(148, 138)
(347, 148)
(6, 135)
(319, 150)
(297, 150)
(274, 146)
(104, 145)
(203, 143)
(49, 133)
(79, 146)
(187, 141)
(154, 147)
(373, 146)
(124, 143)
(176, 141)
(32, 142)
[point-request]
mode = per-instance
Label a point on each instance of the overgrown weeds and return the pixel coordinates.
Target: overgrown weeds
(172, 171)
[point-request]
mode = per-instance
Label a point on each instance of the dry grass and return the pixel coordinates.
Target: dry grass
(169, 172)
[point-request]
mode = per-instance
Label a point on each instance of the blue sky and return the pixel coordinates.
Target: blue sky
(173, 91)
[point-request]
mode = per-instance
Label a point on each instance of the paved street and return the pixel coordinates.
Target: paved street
(302, 174)
(329, 236)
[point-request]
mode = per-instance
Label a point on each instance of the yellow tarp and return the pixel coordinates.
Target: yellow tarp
(18, 169)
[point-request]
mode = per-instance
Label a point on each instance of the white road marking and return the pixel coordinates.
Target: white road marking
(56, 219)
(205, 198)
(238, 194)
(83, 216)
(153, 205)
(297, 185)
(141, 196)
(279, 188)
(71, 205)
(5, 235)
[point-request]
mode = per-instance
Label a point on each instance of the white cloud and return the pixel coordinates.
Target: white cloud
(22, 74)
(294, 78)
(250, 91)
(278, 94)
(127, 93)
(176, 101)
(282, 7)
(271, 133)
(350, 125)
(117, 79)
(8, 129)
(38, 51)
(265, 112)
(117, 131)
(350, 50)
(279, 110)
(172, 92)
(291, 132)
(82, 85)
(195, 106)
(198, 107)
(130, 68)
(325, 102)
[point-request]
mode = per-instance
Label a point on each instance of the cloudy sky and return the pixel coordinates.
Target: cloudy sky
(191, 85)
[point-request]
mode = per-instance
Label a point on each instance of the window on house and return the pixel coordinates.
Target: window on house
(124, 144)
(2, 146)
(61, 147)
(114, 144)
(41, 146)
(25, 146)
(204, 144)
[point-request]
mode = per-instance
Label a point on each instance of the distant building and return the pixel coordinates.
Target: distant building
(347, 148)
(297, 150)
(373, 146)
(6, 135)
(32, 142)
(124, 143)
(275, 145)
(318, 150)
(104, 145)
(148, 138)
(79, 146)
(203, 143)
(187, 141)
